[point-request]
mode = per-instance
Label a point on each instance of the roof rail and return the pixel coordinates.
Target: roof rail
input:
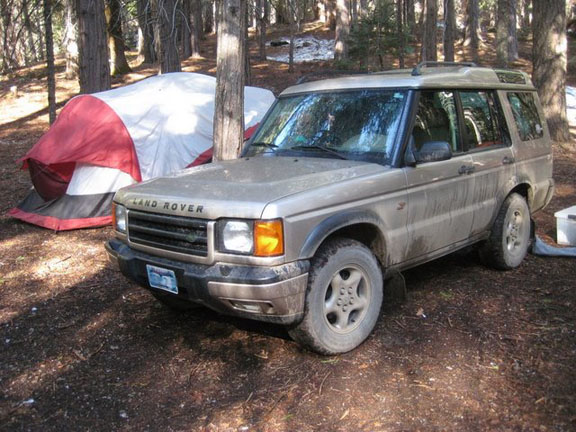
(418, 69)
(304, 78)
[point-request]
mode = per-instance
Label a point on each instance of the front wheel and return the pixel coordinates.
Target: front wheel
(509, 239)
(343, 298)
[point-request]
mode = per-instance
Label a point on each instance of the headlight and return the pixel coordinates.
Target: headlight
(237, 236)
(261, 238)
(119, 217)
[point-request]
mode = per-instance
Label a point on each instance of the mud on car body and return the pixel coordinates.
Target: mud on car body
(345, 182)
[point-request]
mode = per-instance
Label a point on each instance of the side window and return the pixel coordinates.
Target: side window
(483, 120)
(526, 115)
(436, 120)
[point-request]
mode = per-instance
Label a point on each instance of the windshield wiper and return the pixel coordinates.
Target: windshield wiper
(319, 147)
(264, 144)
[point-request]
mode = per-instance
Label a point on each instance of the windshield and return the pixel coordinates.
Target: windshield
(359, 125)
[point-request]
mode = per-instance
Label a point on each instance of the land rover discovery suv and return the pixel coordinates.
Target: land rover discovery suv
(345, 182)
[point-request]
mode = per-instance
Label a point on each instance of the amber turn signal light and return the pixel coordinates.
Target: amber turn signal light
(268, 238)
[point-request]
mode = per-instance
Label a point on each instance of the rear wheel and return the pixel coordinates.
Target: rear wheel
(509, 239)
(343, 299)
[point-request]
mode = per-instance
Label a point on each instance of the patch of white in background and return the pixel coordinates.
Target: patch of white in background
(306, 49)
(571, 104)
(90, 180)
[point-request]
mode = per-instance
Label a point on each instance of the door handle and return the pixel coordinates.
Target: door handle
(466, 169)
(507, 160)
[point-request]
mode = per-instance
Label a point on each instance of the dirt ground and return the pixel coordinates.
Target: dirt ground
(81, 348)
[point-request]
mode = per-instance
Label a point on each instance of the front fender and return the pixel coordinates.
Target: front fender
(338, 222)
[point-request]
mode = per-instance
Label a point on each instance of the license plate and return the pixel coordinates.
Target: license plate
(162, 278)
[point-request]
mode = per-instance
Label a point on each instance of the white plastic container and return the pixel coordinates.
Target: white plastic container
(566, 226)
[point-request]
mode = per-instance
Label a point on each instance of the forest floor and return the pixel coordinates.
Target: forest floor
(81, 348)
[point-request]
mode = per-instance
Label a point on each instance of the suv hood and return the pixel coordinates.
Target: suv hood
(240, 188)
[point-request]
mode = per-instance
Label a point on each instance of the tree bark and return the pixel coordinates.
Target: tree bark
(400, 32)
(512, 33)
(29, 34)
(208, 16)
(526, 12)
(71, 40)
(549, 57)
(449, 30)
(186, 26)
(429, 51)
(197, 26)
(229, 104)
(118, 63)
(342, 30)
(262, 17)
(146, 53)
(50, 61)
(502, 35)
(410, 15)
(472, 29)
(94, 68)
(164, 13)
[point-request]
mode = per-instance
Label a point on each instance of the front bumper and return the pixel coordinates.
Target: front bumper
(272, 294)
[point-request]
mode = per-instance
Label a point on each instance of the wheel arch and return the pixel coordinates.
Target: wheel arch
(363, 226)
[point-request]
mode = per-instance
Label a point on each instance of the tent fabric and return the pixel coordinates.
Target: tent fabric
(104, 141)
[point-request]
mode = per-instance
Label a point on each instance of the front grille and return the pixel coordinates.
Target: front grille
(173, 233)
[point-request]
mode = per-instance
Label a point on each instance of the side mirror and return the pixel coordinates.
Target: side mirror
(434, 151)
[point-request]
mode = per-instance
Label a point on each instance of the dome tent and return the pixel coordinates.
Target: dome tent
(104, 141)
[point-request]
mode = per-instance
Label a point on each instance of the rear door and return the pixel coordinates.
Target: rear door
(487, 141)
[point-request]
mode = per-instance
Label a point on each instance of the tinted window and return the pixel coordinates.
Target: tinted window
(482, 119)
(436, 120)
(526, 115)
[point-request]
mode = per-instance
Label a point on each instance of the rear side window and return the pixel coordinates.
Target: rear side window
(526, 115)
(482, 119)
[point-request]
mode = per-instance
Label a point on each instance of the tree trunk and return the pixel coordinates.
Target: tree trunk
(512, 33)
(342, 30)
(527, 11)
(449, 30)
(146, 53)
(262, 17)
(502, 33)
(229, 104)
(429, 51)
(33, 55)
(292, 31)
(71, 40)
(197, 26)
(208, 17)
(400, 32)
(472, 29)
(330, 8)
(50, 61)
(410, 15)
(118, 63)
(247, 70)
(186, 26)
(549, 60)
(94, 67)
(164, 13)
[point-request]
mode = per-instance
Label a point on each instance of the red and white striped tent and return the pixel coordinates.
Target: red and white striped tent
(104, 141)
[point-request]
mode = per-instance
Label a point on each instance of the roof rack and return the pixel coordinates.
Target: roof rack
(304, 78)
(418, 69)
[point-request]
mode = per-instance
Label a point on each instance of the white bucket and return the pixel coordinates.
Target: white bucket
(566, 226)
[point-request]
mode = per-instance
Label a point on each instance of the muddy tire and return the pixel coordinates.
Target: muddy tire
(510, 237)
(173, 302)
(343, 299)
